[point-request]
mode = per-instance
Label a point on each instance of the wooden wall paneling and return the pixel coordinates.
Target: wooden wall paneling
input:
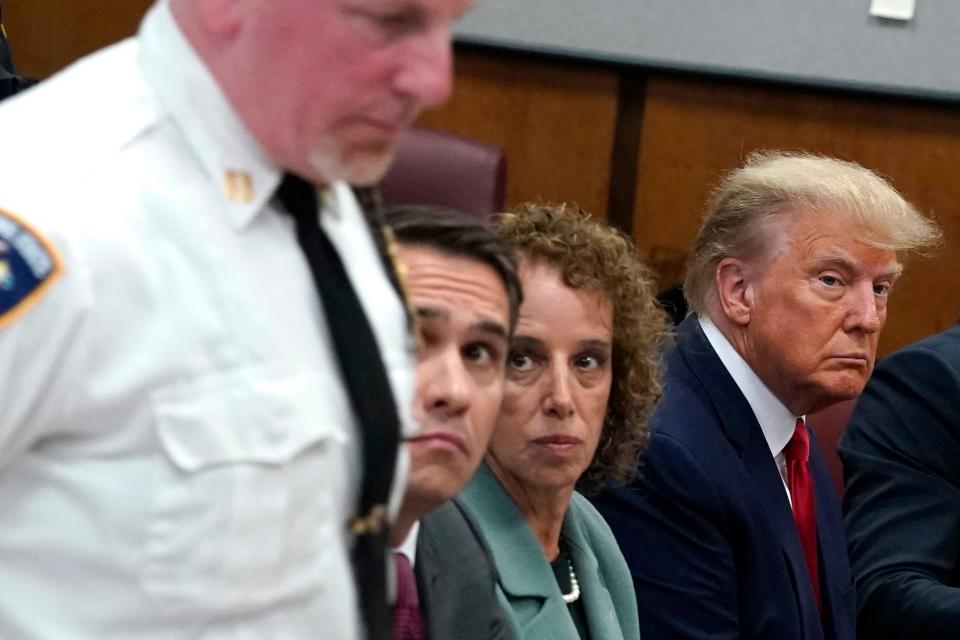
(555, 120)
(696, 129)
(628, 133)
(47, 35)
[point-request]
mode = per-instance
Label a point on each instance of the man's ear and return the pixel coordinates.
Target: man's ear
(735, 290)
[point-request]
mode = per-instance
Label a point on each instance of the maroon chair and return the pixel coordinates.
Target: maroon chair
(439, 168)
(828, 425)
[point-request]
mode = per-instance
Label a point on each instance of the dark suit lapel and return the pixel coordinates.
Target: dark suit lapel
(455, 579)
(428, 571)
(775, 506)
(742, 429)
(733, 410)
(835, 578)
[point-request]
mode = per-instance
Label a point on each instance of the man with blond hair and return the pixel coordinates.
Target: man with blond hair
(732, 528)
(202, 398)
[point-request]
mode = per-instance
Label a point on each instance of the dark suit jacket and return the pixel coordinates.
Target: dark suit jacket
(901, 455)
(456, 578)
(707, 528)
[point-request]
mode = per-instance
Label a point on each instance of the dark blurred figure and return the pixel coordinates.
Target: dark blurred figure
(10, 81)
(674, 303)
(902, 500)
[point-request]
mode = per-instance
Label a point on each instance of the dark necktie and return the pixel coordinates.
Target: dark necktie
(368, 388)
(407, 619)
(797, 454)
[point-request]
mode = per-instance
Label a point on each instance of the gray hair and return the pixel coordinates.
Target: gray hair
(774, 184)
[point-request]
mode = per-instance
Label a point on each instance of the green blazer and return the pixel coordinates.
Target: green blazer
(527, 588)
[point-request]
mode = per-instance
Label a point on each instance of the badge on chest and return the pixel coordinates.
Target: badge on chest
(28, 266)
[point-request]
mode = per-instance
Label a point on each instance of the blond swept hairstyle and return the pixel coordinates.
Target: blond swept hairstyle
(741, 214)
(594, 256)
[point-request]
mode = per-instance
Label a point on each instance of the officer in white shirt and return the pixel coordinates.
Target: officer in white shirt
(178, 453)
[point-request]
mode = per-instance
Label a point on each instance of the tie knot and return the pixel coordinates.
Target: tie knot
(799, 446)
(298, 197)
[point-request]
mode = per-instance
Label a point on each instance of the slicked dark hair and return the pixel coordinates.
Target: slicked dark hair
(457, 234)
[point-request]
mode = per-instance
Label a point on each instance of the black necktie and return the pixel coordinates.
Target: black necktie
(372, 401)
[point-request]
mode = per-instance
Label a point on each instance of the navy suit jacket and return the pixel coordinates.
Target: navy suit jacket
(901, 459)
(706, 527)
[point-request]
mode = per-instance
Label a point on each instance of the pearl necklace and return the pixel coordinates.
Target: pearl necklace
(574, 594)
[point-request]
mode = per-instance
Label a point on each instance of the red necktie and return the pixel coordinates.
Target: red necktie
(797, 454)
(407, 620)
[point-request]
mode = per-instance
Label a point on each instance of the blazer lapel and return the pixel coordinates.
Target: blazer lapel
(600, 610)
(698, 357)
(836, 584)
(775, 506)
(455, 578)
(522, 568)
(428, 571)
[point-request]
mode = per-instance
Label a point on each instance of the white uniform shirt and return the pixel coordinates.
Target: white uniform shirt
(178, 457)
(776, 421)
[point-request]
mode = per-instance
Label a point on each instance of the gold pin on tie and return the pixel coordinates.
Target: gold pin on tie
(372, 522)
(238, 186)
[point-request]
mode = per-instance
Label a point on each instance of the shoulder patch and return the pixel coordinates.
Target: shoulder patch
(29, 264)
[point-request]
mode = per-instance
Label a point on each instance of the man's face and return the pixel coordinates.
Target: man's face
(463, 313)
(329, 86)
(817, 308)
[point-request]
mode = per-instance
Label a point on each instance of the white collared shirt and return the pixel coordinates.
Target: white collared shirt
(409, 545)
(776, 421)
(178, 457)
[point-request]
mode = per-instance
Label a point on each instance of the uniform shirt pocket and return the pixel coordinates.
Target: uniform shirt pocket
(243, 513)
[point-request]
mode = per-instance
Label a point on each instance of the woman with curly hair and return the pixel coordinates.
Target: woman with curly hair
(582, 379)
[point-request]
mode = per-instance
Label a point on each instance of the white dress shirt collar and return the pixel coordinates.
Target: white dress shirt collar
(776, 421)
(228, 152)
(409, 545)
(409, 549)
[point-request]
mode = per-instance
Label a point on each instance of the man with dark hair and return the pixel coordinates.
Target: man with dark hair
(206, 369)
(10, 81)
(463, 287)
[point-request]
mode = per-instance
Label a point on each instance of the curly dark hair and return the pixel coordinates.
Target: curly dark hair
(593, 255)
